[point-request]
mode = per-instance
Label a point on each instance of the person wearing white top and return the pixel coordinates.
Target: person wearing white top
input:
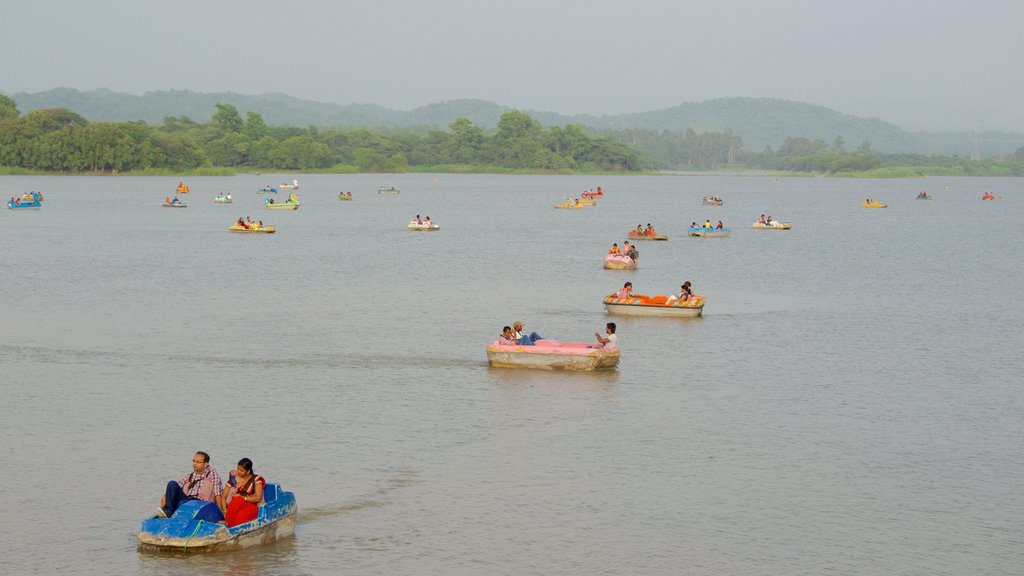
(612, 341)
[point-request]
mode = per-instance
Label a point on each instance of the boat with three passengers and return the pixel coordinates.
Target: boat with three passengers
(243, 226)
(390, 190)
(286, 186)
(641, 233)
(552, 355)
(223, 199)
(708, 231)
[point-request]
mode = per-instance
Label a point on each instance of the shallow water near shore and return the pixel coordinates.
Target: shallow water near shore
(851, 401)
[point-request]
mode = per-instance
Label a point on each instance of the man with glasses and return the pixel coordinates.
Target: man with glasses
(521, 339)
(202, 484)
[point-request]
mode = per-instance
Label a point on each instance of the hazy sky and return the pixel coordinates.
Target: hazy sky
(920, 64)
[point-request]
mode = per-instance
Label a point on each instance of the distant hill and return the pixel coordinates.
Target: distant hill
(759, 121)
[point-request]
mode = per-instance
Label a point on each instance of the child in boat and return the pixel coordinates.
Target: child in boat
(614, 250)
(626, 291)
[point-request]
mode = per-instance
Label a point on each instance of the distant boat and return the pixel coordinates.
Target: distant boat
(293, 186)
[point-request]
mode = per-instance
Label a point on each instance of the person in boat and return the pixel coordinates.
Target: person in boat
(639, 230)
(243, 494)
(614, 250)
(761, 220)
(719, 227)
(707, 224)
(419, 220)
(524, 339)
(176, 200)
(506, 338)
(167, 200)
(612, 341)
(684, 294)
(241, 223)
(259, 224)
(693, 225)
(633, 253)
(427, 222)
(650, 230)
(203, 483)
(599, 191)
(769, 221)
(626, 291)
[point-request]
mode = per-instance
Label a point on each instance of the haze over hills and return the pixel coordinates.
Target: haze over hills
(760, 122)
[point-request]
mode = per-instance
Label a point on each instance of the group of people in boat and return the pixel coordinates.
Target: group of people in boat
(181, 187)
(684, 294)
(766, 221)
(626, 249)
(27, 198)
(421, 221)
(591, 193)
(345, 195)
(248, 223)
(238, 499)
(708, 225)
(714, 199)
(641, 231)
(922, 195)
(174, 202)
(513, 336)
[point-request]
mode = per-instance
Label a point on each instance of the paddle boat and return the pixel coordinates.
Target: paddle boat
(17, 204)
(175, 204)
(592, 195)
(709, 232)
(552, 355)
(267, 190)
(344, 195)
(619, 262)
(988, 196)
(711, 201)
(222, 199)
(923, 196)
(571, 205)
(197, 526)
(634, 236)
(773, 225)
(182, 188)
(286, 186)
(874, 204)
(391, 190)
(640, 305)
(292, 203)
(254, 228)
(423, 226)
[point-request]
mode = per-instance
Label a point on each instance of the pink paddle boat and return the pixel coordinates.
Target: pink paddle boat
(552, 355)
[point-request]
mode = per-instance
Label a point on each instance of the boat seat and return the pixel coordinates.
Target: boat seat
(269, 493)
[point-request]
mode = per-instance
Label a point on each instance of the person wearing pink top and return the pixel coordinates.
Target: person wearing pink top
(202, 484)
(506, 338)
(626, 291)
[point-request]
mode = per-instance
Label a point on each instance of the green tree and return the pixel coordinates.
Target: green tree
(8, 107)
(226, 120)
(254, 127)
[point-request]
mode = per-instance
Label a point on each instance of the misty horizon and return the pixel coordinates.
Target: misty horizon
(933, 69)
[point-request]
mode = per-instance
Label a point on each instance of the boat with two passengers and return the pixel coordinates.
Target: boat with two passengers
(267, 190)
(391, 190)
(772, 225)
(222, 199)
(427, 226)
(923, 196)
(640, 305)
(711, 201)
(198, 525)
(182, 188)
(552, 355)
(648, 234)
(593, 195)
(292, 203)
(988, 196)
(175, 204)
(344, 196)
(286, 186)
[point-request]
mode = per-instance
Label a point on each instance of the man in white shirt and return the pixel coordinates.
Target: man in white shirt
(612, 341)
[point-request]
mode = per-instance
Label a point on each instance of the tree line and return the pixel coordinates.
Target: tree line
(59, 140)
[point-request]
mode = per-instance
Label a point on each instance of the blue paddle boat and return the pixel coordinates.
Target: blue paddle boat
(267, 190)
(197, 526)
(709, 232)
(23, 205)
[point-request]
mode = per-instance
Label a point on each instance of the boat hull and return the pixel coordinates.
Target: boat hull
(780, 226)
(709, 203)
(570, 206)
(874, 205)
(658, 237)
(637, 309)
(588, 202)
(282, 206)
(619, 263)
(175, 205)
(547, 357)
(424, 227)
(702, 233)
(12, 206)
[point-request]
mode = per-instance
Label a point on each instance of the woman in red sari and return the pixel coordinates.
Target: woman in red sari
(245, 504)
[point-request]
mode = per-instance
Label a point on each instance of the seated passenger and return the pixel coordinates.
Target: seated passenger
(761, 220)
(612, 341)
(506, 338)
(719, 227)
(427, 222)
(522, 339)
(649, 231)
(202, 483)
(707, 224)
(639, 230)
(626, 291)
(683, 295)
(244, 505)
(614, 250)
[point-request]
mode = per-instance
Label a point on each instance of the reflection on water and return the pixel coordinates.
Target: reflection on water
(831, 412)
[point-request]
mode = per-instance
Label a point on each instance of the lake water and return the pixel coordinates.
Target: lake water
(850, 403)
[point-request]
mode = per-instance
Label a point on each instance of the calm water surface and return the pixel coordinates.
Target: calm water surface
(850, 403)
